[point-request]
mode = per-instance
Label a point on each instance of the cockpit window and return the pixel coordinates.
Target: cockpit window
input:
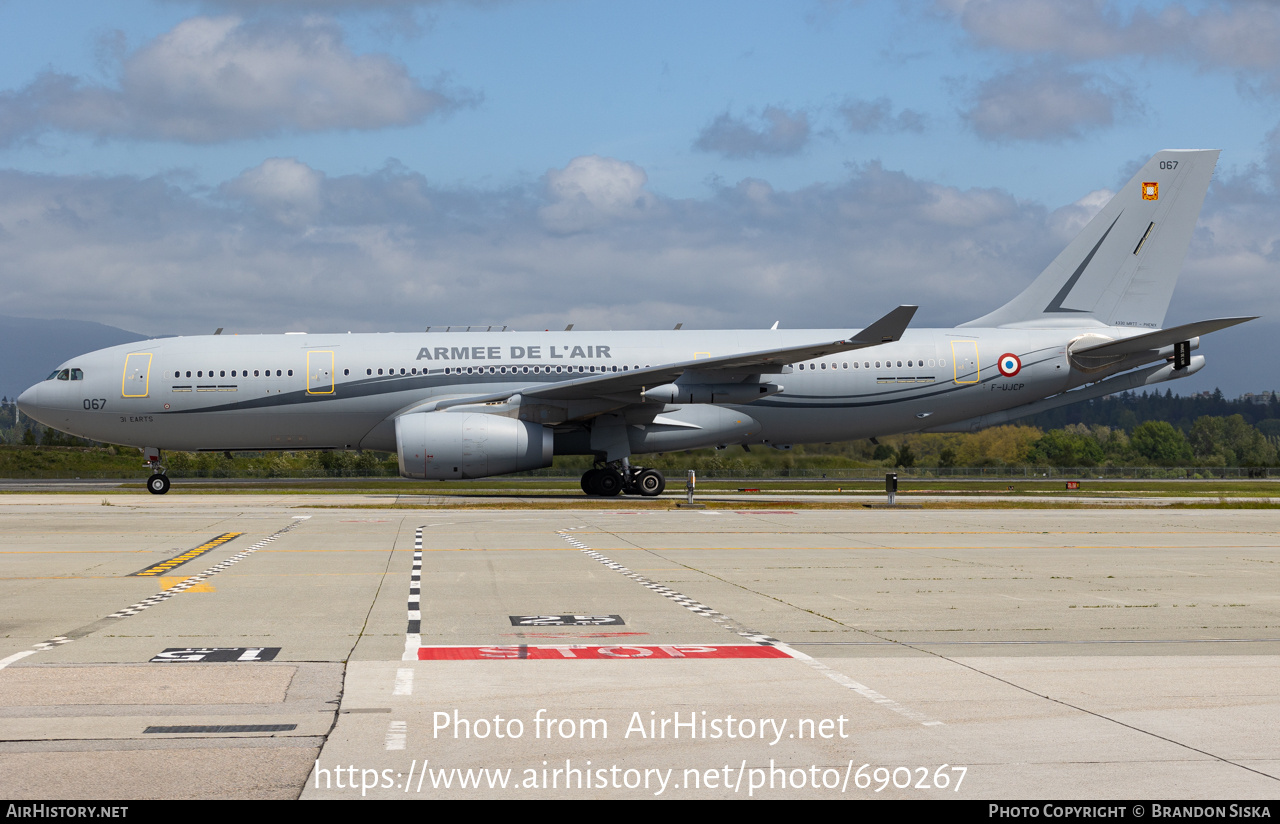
(52, 375)
(77, 375)
(64, 375)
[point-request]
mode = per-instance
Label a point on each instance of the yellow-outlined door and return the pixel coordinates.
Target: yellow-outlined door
(964, 361)
(136, 382)
(320, 373)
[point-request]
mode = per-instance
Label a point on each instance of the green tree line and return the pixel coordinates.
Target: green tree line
(1207, 441)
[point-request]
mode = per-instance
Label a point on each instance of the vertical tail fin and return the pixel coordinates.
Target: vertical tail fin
(1121, 269)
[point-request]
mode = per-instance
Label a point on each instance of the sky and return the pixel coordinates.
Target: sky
(172, 167)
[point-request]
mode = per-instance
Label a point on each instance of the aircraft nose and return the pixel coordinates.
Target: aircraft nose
(29, 400)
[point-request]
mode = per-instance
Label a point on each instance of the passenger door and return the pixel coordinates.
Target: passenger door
(320, 373)
(136, 382)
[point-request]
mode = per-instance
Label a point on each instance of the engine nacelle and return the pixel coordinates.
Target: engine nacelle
(439, 446)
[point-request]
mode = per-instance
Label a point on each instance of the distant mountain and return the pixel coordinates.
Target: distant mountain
(30, 348)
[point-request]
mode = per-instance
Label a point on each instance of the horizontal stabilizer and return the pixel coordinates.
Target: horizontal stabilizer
(1160, 338)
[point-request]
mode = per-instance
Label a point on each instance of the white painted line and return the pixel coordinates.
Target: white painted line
(411, 644)
(404, 682)
(397, 735)
(17, 656)
(862, 689)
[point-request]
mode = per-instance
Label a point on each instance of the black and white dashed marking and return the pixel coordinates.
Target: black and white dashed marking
(667, 592)
(160, 597)
(413, 634)
(415, 586)
(208, 573)
(759, 637)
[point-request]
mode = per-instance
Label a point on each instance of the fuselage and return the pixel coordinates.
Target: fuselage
(474, 404)
(344, 391)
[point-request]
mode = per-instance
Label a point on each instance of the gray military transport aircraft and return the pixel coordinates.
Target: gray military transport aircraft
(474, 404)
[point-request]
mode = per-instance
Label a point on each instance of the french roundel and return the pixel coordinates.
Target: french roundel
(1010, 365)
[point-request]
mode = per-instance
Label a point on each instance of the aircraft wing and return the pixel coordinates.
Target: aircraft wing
(630, 384)
(1160, 338)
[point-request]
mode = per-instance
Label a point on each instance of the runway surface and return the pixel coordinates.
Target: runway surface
(260, 646)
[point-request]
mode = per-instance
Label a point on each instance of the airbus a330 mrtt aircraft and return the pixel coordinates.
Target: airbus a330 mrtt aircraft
(469, 405)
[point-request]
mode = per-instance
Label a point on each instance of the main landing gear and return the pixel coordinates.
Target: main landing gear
(158, 483)
(613, 479)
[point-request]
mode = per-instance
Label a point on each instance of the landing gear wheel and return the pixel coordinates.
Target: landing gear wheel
(588, 482)
(608, 483)
(651, 483)
(158, 484)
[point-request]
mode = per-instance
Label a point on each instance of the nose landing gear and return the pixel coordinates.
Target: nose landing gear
(617, 478)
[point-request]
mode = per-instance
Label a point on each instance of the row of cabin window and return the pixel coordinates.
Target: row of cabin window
(76, 374)
(244, 373)
(502, 370)
(813, 367)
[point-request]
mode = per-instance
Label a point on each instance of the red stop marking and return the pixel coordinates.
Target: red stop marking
(583, 652)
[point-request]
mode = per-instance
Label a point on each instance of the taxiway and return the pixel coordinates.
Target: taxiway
(612, 653)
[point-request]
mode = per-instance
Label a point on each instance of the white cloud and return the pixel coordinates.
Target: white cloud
(776, 132)
(1239, 36)
(592, 190)
(1045, 102)
(284, 187)
(283, 245)
(1067, 221)
(868, 116)
(1079, 28)
(211, 79)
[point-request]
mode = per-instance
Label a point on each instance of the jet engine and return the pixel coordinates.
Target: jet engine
(441, 446)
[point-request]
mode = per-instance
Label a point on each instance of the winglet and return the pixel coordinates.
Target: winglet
(886, 330)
